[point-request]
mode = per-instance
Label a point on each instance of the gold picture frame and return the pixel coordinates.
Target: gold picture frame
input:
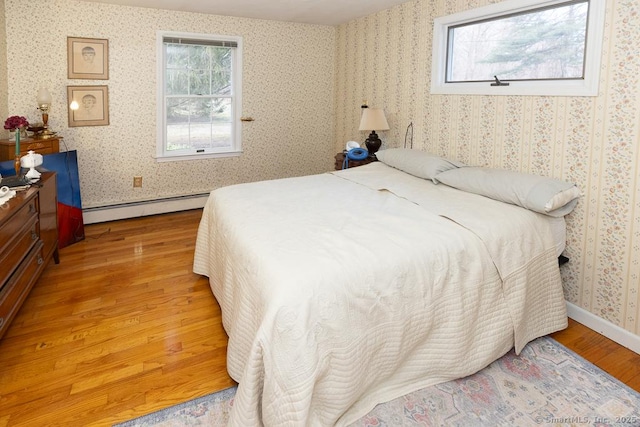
(87, 58)
(88, 105)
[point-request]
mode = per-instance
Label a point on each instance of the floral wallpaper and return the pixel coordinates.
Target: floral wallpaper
(304, 85)
(4, 112)
(385, 59)
(287, 88)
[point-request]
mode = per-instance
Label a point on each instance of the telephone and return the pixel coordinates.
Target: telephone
(357, 154)
(353, 152)
(351, 145)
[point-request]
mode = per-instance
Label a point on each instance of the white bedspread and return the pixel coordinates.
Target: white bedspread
(342, 290)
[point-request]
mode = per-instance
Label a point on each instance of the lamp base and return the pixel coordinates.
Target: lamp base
(42, 133)
(33, 174)
(373, 142)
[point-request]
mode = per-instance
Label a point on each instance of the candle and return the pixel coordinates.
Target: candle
(17, 142)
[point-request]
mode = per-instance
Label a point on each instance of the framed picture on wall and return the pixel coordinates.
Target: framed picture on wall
(88, 105)
(87, 58)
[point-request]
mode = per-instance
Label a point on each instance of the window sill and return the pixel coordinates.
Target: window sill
(202, 156)
(539, 88)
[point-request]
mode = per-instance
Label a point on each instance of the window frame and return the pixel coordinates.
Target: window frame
(588, 86)
(162, 155)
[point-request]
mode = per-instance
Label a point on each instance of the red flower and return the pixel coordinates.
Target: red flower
(15, 122)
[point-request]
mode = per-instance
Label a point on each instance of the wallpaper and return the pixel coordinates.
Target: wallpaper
(304, 84)
(287, 88)
(385, 59)
(4, 112)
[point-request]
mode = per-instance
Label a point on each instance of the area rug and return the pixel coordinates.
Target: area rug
(547, 384)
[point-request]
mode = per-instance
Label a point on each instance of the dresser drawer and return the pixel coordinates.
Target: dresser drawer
(12, 226)
(18, 233)
(28, 240)
(19, 285)
(41, 146)
(15, 250)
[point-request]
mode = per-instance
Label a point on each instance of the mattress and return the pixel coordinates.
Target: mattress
(559, 233)
(343, 290)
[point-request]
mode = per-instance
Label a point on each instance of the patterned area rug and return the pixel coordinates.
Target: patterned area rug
(546, 385)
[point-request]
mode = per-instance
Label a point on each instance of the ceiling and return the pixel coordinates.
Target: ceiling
(323, 12)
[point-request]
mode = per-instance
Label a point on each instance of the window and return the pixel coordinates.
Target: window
(518, 47)
(199, 102)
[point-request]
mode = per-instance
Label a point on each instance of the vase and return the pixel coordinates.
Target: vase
(18, 136)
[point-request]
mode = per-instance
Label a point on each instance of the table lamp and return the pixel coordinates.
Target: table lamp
(44, 103)
(373, 119)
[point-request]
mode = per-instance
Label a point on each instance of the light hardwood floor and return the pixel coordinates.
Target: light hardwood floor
(122, 327)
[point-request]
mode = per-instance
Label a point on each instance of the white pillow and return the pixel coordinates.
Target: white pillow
(541, 194)
(416, 162)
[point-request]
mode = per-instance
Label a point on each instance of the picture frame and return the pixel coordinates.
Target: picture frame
(87, 58)
(88, 105)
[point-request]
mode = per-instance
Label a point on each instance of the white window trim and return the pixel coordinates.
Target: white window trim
(236, 149)
(581, 87)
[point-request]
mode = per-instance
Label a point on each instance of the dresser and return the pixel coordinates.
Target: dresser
(40, 146)
(28, 242)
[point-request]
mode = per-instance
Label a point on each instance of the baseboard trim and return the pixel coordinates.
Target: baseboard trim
(604, 327)
(145, 208)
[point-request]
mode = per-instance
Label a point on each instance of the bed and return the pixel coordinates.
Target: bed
(346, 289)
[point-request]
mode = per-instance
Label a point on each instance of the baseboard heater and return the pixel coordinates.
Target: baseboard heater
(143, 208)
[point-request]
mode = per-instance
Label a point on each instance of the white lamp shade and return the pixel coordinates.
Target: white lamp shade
(373, 119)
(44, 97)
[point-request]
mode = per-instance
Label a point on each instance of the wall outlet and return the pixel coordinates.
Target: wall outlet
(137, 181)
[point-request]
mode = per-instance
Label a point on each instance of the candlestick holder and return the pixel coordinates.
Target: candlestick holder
(16, 165)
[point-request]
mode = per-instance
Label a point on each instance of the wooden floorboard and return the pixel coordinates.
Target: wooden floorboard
(609, 356)
(122, 327)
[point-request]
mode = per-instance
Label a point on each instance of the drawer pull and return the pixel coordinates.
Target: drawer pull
(32, 208)
(40, 260)
(34, 235)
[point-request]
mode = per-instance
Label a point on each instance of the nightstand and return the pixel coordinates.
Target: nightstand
(353, 163)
